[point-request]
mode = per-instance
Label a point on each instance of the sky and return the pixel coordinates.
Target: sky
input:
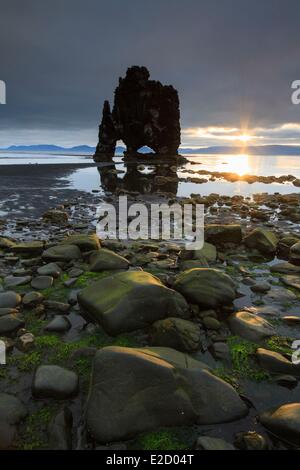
(232, 62)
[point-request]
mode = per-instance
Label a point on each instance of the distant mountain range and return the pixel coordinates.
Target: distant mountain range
(48, 148)
(222, 150)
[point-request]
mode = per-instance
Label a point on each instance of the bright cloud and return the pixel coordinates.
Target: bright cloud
(286, 133)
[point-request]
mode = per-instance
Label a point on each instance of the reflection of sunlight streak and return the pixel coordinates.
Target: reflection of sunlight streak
(238, 164)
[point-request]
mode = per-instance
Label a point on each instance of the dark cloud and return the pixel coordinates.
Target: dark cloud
(232, 61)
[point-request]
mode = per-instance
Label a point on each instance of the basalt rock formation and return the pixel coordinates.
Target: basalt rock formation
(145, 113)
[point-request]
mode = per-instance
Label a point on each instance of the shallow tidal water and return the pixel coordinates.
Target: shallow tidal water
(29, 183)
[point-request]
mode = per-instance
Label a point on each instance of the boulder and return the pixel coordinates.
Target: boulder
(62, 253)
(15, 281)
(32, 298)
(54, 382)
(220, 234)
(250, 440)
(250, 326)
(280, 295)
(285, 268)
(284, 421)
(208, 252)
(30, 248)
(130, 300)
(262, 240)
(294, 257)
(8, 311)
(56, 217)
(211, 323)
(276, 363)
(9, 299)
(194, 263)
(9, 324)
(60, 430)
(176, 333)
(206, 287)
(84, 242)
(50, 269)
(42, 282)
(59, 324)
(12, 410)
(261, 287)
(138, 390)
(212, 443)
(6, 243)
(284, 246)
(291, 320)
(57, 307)
(107, 260)
(291, 281)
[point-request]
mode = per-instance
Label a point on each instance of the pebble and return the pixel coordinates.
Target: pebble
(14, 281)
(9, 324)
(59, 324)
(25, 342)
(211, 323)
(32, 298)
(9, 299)
(261, 288)
(50, 269)
(57, 306)
(42, 282)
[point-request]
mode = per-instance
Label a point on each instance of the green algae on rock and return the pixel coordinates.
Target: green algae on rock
(206, 287)
(130, 300)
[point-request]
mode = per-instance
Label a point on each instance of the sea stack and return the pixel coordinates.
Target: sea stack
(145, 113)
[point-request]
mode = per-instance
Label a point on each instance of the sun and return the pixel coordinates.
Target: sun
(243, 138)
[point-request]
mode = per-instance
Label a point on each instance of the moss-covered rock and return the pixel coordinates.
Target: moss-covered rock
(133, 391)
(208, 252)
(33, 247)
(206, 287)
(62, 253)
(130, 300)
(6, 243)
(295, 254)
(176, 333)
(262, 240)
(250, 326)
(84, 242)
(220, 234)
(107, 260)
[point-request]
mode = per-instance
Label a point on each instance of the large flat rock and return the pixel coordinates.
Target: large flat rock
(130, 300)
(137, 390)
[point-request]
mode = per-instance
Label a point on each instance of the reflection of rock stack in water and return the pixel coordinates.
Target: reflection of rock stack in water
(145, 113)
(163, 179)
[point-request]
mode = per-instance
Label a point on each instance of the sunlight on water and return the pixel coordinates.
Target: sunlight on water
(240, 164)
(260, 165)
(88, 179)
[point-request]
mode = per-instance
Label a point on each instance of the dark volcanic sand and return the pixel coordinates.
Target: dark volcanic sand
(20, 195)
